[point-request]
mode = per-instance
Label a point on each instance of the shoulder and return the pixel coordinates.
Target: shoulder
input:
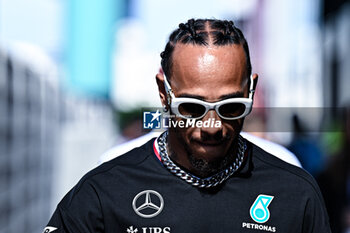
(287, 175)
(273, 148)
(135, 155)
(89, 184)
(126, 147)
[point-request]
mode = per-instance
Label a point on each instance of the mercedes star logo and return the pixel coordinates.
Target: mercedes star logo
(148, 203)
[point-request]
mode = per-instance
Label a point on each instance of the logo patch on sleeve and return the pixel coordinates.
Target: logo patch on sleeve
(49, 229)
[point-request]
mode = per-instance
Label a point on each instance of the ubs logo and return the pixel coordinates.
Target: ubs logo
(131, 229)
(148, 204)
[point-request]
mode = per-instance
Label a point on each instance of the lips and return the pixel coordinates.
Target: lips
(209, 143)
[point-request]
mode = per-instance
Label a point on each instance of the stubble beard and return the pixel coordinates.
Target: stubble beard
(204, 168)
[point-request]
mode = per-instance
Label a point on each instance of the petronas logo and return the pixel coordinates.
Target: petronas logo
(259, 211)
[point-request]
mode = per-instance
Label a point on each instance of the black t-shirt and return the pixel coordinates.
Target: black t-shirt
(135, 193)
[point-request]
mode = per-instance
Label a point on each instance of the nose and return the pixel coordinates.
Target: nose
(214, 131)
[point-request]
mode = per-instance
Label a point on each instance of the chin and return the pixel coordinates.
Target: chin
(209, 153)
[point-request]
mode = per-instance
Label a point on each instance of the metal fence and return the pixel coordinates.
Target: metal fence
(29, 119)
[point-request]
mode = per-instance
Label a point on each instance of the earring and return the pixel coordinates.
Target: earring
(165, 109)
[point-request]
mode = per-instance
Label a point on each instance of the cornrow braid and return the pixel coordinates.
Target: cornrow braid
(189, 27)
(229, 27)
(199, 32)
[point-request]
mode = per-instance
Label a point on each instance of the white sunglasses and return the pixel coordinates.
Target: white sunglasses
(192, 108)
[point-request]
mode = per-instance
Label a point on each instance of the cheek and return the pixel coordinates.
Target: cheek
(183, 132)
(232, 128)
(193, 133)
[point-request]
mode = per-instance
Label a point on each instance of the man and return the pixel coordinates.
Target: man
(196, 178)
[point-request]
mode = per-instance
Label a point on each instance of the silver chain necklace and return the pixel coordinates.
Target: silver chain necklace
(209, 182)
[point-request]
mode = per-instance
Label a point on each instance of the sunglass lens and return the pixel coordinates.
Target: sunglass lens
(191, 110)
(232, 110)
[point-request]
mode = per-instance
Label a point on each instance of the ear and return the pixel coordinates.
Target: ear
(161, 89)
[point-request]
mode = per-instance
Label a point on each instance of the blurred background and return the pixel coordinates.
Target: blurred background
(74, 75)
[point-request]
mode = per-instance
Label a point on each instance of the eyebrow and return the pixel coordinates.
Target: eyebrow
(223, 97)
(191, 96)
(232, 95)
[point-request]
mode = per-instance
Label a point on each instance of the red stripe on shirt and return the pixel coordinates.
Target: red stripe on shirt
(155, 150)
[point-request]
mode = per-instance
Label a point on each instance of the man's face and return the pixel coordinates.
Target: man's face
(209, 73)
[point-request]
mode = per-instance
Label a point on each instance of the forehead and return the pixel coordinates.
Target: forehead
(209, 71)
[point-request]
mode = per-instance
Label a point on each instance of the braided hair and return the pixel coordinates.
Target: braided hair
(199, 32)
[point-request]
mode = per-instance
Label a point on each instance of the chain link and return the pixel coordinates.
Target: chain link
(209, 182)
